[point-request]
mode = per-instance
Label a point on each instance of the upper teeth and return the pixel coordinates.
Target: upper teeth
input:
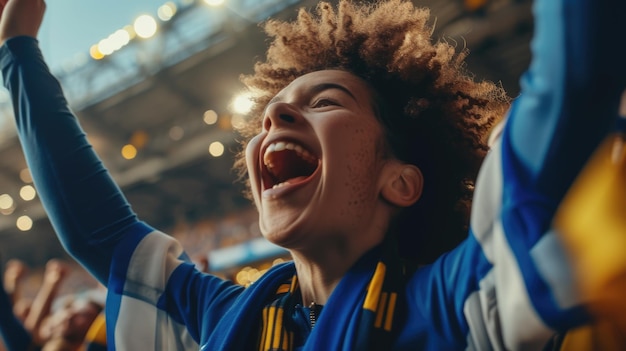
(282, 145)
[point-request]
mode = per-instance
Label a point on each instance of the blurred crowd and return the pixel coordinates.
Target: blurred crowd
(49, 320)
(60, 307)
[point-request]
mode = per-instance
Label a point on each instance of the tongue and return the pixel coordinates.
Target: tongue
(288, 166)
(295, 180)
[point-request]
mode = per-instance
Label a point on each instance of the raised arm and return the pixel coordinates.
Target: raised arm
(155, 298)
(569, 102)
(86, 208)
(509, 285)
(571, 92)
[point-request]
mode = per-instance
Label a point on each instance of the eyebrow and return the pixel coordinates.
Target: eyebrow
(318, 88)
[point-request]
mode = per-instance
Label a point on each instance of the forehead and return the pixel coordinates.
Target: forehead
(318, 81)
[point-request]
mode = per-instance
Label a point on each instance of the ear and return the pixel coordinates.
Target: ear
(403, 184)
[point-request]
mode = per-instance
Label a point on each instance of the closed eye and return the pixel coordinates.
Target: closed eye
(323, 102)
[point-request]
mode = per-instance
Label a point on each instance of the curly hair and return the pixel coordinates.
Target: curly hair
(434, 113)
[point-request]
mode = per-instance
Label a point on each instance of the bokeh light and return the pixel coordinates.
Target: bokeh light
(166, 11)
(129, 152)
(6, 202)
(24, 223)
(210, 117)
(25, 176)
(145, 26)
(176, 133)
(28, 192)
(216, 149)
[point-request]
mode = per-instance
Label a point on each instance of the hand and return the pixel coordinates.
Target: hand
(20, 17)
(14, 271)
(55, 272)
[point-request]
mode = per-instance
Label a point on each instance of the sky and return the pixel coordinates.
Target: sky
(70, 27)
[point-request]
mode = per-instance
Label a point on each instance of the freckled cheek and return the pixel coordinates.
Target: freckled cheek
(360, 167)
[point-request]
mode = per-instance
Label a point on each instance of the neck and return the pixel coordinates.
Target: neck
(320, 272)
(327, 257)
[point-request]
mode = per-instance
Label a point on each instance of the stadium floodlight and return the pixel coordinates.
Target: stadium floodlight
(242, 103)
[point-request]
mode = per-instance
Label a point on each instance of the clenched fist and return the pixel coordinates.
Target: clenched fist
(20, 18)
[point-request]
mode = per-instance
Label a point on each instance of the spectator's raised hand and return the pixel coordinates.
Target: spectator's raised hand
(55, 271)
(15, 270)
(20, 17)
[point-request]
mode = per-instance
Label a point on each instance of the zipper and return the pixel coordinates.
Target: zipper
(313, 314)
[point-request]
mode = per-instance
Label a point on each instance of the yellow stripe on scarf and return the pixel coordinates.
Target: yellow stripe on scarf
(97, 331)
(279, 338)
(391, 307)
(375, 287)
(382, 303)
(273, 334)
(264, 332)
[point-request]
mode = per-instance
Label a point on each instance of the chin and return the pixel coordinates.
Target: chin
(277, 232)
(283, 230)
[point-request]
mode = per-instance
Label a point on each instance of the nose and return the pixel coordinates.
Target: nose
(280, 114)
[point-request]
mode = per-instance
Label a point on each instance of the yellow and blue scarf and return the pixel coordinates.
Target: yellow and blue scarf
(364, 312)
(360, 315)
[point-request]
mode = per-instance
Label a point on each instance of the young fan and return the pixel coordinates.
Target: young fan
(362, 153)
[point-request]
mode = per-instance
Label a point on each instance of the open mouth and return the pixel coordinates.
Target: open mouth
(285, 163)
